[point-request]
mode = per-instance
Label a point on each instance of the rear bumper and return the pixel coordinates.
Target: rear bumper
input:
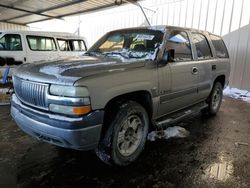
(75, 133)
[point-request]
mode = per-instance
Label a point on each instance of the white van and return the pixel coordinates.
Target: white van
(19, 47)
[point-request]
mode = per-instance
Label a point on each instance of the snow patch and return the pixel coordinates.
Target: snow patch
(237, 94)
(128, 56)
(170, 132)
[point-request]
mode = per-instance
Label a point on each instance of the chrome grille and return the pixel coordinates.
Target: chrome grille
(32, 93)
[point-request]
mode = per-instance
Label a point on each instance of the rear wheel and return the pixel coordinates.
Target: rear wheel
(125, 138)
(215, 99)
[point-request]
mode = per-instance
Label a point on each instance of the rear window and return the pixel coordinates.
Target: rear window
(77, 45)
(202, 46)
(220, 47)
(38, 43)
(11, 42)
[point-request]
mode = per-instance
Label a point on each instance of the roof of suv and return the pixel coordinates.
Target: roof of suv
(163, 28)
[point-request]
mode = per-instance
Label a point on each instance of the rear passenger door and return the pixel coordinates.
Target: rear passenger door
(41, 48)
(204, 62)
(182, 72)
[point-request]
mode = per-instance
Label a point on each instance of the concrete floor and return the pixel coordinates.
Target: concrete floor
(209, 157)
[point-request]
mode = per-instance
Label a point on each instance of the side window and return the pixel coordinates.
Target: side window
(63, 45)
(202, 46)
(220, 47)
(179, 42)
(38, 43)
(82, 45)
(76, 46)
(11, 42)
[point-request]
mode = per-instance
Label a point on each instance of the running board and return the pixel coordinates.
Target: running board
(180, 115)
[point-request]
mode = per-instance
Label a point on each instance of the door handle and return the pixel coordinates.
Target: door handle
(194, 70)
(213, 67)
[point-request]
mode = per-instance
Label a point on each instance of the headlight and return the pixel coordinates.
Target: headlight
(69, 100)
(69, 91)
(70, 110)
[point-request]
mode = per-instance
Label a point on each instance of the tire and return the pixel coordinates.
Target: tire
(126, 135)
(214, 100)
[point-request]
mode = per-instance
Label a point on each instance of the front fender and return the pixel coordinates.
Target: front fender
(100, 99)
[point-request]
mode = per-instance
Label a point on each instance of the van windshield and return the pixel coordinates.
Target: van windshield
(127, 45)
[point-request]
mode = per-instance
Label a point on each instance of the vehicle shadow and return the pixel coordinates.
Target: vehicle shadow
(163, 163)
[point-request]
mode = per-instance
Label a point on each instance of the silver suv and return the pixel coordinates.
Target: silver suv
(129, 82)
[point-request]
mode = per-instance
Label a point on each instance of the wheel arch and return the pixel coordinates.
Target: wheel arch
(143, 97)
(221, 79)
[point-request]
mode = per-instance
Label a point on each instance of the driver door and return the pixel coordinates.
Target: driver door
(12, 52)
(178, 89)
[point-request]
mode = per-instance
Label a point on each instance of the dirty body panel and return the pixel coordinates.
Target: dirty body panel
(141, 65)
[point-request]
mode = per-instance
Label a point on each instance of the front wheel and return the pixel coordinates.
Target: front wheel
(124, 140)
(215, 99)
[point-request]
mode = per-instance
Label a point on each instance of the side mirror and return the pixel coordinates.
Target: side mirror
(168, 56)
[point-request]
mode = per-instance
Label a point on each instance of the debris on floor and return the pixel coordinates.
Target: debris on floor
(237, 94)
(4, 97)
(237, 144)
(170, 132)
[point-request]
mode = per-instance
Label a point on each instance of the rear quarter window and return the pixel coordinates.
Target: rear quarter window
(77, 45)
(220, 47)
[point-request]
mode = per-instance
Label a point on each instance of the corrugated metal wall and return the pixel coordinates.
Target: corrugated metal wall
(7, 26)
(228, 18)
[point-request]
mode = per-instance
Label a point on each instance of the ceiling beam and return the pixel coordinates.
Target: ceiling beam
(23, 10)
(63, 5)
(74, 13)
(48, 9)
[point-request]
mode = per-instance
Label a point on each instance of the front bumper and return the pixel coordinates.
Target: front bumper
(77, 133)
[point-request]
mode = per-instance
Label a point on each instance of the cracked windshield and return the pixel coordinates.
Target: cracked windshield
(129, 45)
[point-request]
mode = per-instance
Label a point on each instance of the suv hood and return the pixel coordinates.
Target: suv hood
(68, 71)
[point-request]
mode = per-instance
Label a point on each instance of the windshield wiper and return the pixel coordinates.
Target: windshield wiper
(93, 53)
